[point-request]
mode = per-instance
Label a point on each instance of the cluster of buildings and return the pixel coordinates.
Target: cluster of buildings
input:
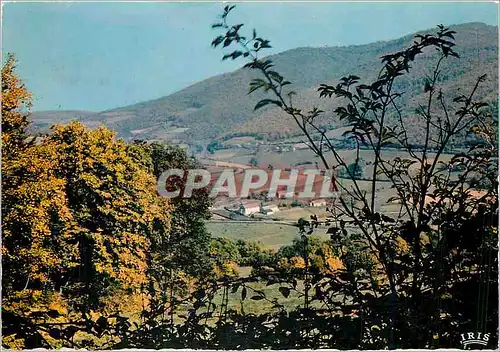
(250, 207)
(254, 207)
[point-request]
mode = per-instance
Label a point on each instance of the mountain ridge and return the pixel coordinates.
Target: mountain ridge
(219, 105)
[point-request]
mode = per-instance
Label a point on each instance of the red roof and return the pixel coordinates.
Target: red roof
(281, 189)
(251, 203)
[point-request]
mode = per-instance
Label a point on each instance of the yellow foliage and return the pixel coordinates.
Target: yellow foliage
(30, 206)
(424, 239)
(227, 269)
(335, 263)
(76, 208)
(297, 262)
(401, 245)
(16, 100)
(13, 343)
(383, 280)
(71, 179)
(283, 263)
(58, 304)
(124, 302)
(26, 302)
(79, 214)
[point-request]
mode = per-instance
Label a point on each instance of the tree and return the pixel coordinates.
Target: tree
(79, 219)
(253, 161)
(213, 146)
(406, 299)
(182, 257)
(253, 254)
(188, 239)
(225, 249)
(16, 101)
(354, 170)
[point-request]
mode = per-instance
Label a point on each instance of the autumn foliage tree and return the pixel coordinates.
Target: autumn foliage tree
(79, 216)
(16, 100)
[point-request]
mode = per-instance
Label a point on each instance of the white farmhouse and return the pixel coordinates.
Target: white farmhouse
(269, 209)
(317, 203)
(249, 207)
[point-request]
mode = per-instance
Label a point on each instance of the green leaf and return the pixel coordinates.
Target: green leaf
(256, 84)
(265, 102)
(237, 27)
(285, 291)
(275, 76)
(217, 41)
(257, 298)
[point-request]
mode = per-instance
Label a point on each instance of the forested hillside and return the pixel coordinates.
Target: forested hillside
(220, 104)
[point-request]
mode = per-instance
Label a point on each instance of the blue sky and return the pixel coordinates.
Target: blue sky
(97, 56)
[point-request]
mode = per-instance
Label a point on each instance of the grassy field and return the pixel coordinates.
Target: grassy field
(267, 155)
(271, 235)
(231, 155)
(294, 214)
(294, 300)
(252, 306)
(277, 235)
(239, 140)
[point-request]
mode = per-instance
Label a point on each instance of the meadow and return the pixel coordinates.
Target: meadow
(270, 235)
